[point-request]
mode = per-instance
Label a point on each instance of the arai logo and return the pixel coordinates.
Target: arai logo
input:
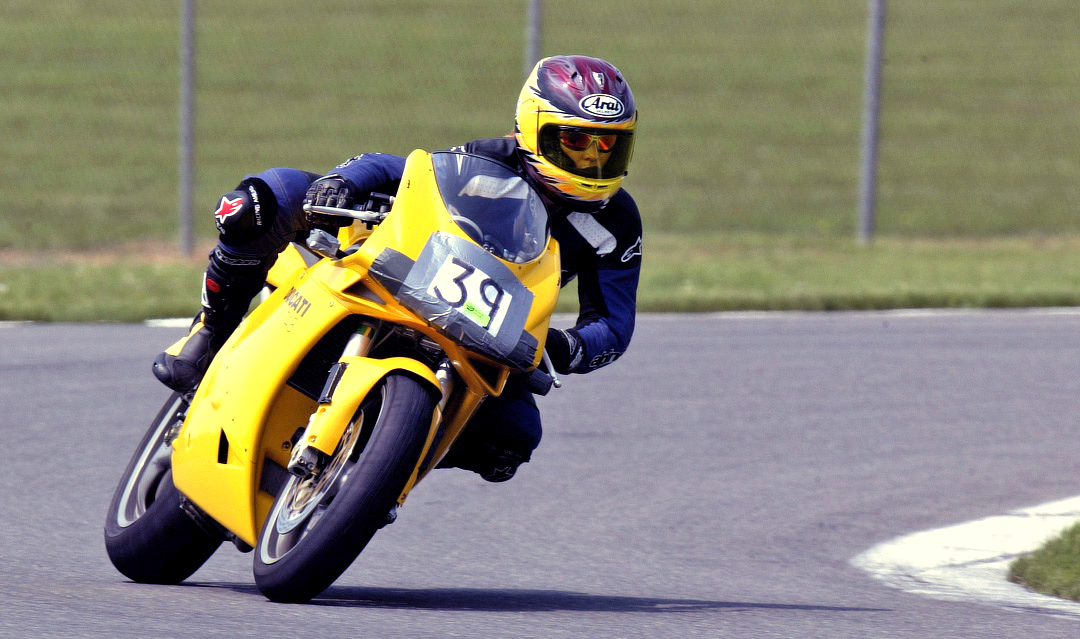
(601, 105)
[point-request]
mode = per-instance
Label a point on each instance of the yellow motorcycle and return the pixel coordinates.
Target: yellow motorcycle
(348, 384)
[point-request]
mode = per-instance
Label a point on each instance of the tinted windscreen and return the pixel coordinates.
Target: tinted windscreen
(493, 205)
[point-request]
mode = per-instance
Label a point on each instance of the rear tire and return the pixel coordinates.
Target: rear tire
(149, 538)
(318, 526)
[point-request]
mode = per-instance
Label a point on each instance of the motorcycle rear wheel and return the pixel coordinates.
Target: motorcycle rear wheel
(148, 537)
(319, 525)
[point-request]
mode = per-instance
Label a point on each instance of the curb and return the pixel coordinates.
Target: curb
(970, 561)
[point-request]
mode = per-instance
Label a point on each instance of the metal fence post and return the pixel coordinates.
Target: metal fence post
(187, 123)
(532, 34)
(871, 106)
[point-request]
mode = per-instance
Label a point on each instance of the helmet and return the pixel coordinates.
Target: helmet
(575, 127)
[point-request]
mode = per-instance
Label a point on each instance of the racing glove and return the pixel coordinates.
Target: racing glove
(565, 349)
(334, 191)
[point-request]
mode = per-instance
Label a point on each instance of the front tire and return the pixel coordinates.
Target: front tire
(149, 538)
(319, 525)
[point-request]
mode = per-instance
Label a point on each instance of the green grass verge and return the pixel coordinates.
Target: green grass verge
(749, 271)
(680, 273)
(1053, 569)
(122, 292)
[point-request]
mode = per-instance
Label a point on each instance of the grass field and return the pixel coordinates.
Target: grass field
(746, 169)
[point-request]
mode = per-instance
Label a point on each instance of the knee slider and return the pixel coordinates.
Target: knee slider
(246, 213)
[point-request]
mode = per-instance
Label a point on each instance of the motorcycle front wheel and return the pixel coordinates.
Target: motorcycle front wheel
(319, 525)
(148, 537)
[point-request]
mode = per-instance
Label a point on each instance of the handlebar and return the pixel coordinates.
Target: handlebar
(368, 217)
(373, 211)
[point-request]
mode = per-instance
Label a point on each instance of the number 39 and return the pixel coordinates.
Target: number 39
(470, 291)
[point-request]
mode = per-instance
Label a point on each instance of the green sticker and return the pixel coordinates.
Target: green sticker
(476, 314)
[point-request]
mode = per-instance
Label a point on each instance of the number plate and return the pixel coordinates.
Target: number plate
(477, 295)
(469, 293)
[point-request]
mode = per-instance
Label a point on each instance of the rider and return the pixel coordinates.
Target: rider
(573, 139)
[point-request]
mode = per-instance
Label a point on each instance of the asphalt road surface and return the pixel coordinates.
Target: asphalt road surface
(716, 482)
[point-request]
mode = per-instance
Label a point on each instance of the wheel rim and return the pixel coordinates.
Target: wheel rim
(153, 465)
(303, 502)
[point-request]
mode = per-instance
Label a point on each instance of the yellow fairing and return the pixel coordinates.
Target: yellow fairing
(232, 427)
(230, 456)
(241, 408)
(288, 263)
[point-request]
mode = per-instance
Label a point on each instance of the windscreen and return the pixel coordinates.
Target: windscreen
(493, 205)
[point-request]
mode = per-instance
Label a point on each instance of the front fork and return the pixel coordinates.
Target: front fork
(320, 436)
(307, 460)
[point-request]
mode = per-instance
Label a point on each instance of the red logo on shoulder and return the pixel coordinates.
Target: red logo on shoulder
(228, 208)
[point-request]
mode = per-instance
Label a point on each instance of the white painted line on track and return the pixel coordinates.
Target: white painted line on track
(174, 322)
(969, 562)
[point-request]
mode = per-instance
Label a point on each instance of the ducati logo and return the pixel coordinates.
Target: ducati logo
(297, 302)
(227, 208)
(602, 105)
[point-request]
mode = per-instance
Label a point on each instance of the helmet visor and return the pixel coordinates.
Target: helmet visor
(601, 154)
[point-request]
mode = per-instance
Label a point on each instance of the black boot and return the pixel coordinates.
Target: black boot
(225, 302)
(183, 364)
(493, 463)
